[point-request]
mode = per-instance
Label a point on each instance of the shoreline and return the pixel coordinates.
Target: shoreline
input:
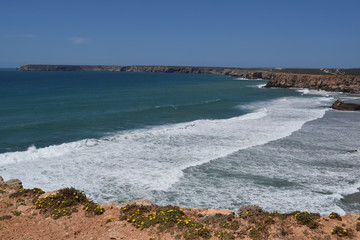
(335, 80)
(31, 213)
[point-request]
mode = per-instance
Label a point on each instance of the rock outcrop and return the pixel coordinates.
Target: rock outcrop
(334, 83)
(341, 105)
(12, 183)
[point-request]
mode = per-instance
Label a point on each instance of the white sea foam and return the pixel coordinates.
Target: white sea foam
(306, 91)
(247, 79)
(133, 164)
(310, 170)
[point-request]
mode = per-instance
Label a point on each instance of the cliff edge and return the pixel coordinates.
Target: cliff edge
(333, 83)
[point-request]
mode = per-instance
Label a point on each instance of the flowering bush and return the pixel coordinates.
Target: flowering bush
(308, 219)
(339, 231)
(165, 218)
(65, 202)
(250, 210)
(335, 215)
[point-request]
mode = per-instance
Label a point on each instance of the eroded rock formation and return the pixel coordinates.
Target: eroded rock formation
(334, 83)
(341, 105)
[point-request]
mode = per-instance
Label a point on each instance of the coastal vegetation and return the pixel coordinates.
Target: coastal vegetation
(63, 203)
(252, 221)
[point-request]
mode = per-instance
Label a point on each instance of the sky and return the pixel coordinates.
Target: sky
(232, 33)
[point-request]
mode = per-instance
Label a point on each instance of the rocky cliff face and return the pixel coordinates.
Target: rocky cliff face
(336, 83)
(326, 81)
(246, 73)
(44, 67)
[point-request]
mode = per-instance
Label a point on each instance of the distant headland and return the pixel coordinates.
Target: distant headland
(338, 80)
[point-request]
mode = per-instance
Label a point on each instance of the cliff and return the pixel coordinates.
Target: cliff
(335, 83)
(337, 80)
(252, 73)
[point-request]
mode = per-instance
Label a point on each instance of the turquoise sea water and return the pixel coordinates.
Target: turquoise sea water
(192, 140)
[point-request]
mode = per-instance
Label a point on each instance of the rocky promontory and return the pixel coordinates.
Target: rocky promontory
(252, 73)
(334, 83)
(345, 106)
(339, 80)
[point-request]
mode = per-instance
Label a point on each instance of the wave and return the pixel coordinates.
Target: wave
(132, 164)
(185, 105)
(306, 91)
(247, 79)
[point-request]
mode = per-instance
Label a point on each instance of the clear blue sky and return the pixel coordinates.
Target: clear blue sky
(249, 33)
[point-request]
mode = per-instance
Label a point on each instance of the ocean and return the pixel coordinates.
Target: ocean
(210, 141)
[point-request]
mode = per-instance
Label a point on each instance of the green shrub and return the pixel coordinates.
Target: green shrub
(27, 192)
(165, 218)
(20, 200)
(109, 220)
(141, 217)
(223, 221)
(339, 231)
(16, 213)
(4, 217)
(94, 208)
(233, 224)
(60, 212)
(335, 215)
(308, 219)
(7, 205)
(217, 218)
(66, 197)
(259, 231)
(250, 211)
(269, 220)
(224, 235)
(65, 202)
(197, 233)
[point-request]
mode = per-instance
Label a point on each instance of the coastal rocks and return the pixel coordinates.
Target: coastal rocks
(334, 83)
(341, 105)
(280, 78)
(12, 183)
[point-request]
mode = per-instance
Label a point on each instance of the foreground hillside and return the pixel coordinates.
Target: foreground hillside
(69, 214)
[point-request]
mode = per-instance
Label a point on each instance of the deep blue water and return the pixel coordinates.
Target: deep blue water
(191, 140)
(47, 108)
